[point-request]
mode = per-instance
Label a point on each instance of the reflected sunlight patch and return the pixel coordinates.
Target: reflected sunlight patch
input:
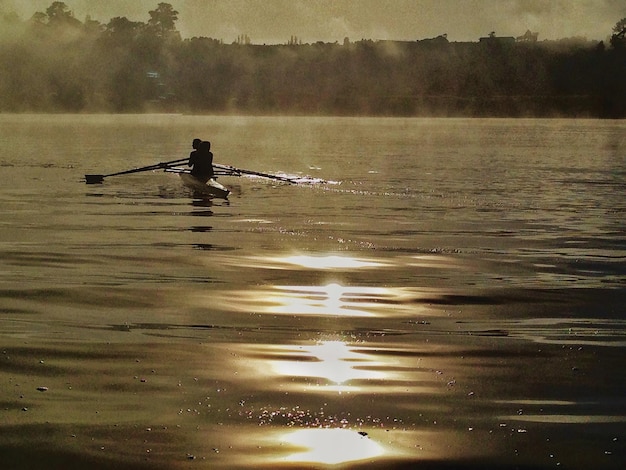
(329, 262)
(322, 263)
(333, 361)
(333, 367)
(330, 446)
(330, 300)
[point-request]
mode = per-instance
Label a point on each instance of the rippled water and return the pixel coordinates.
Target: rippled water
(452, 296)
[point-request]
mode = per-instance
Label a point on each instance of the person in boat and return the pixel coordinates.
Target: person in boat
(193, 155)
(201, 160)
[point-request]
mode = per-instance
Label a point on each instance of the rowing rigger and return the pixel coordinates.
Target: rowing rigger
(173, 166)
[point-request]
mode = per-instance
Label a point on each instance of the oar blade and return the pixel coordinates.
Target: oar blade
(94, 179)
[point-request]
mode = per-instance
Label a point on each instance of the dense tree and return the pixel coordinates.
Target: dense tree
(55, 62)
(618, 39)
(123, 29)
(162, 21)
(59, 14)
(620, 26)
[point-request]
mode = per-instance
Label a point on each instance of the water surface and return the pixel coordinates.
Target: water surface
(452, 296)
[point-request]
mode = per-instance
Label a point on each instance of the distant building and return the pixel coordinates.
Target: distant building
(528, 37)
(493, 39)
(441, 40)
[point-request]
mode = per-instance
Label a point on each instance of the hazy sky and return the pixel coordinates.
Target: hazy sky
(275, 21)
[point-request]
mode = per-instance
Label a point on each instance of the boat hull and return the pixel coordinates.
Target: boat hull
(211, 188)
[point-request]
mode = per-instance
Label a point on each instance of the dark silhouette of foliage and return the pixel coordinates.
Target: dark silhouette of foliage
(162, 22)
(60, 15)
(54, 62)
(618, 38)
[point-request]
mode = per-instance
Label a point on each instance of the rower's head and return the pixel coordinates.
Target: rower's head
(204, 146)
(196, 143)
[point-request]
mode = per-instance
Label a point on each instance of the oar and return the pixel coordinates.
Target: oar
(95, 179)
(256, 173)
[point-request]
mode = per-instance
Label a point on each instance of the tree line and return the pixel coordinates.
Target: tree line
(54, 62)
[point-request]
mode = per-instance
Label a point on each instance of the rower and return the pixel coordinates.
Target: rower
(201, 160)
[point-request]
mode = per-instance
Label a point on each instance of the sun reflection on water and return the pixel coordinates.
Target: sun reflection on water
(330, 446)
(333, 361)
(335, 367)
(329, 262)
(318, 262)
(332, 299)
(336, 295)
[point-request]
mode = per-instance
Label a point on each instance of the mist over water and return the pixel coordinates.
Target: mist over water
(452, 296)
